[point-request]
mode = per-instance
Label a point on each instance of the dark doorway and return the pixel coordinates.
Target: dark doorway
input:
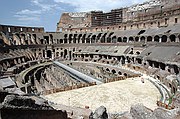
(49, 54)
(70, 55)
(65, 53)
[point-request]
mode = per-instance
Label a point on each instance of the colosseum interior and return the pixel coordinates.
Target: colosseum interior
(123, 64)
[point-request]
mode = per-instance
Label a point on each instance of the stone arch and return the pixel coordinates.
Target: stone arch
(142, 39)
(42, 41)
(109, 40)
(57, 54)
(137, 39)
(65, 40)
(137, 53)
(119, 39)
(93, 39)
(119, 73)
(114, 39)
(156, 38)
(49, 53)
(70, 38)
(179, 38)
(149, 39)
(156, 64)
(83, 38)
(113, 71)
(125, 74)
(107, 70)
(61, 41)
(98, 37)
(131, 39)
(164, 38)
(172, 38)
(65, 53)
(62, 54)
(74, 38)
(103, 38)
(88, 38)
(4, 39)
(124, 39)
(162, 66)
(79, 37)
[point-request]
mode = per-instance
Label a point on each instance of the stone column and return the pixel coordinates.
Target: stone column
(177, 39)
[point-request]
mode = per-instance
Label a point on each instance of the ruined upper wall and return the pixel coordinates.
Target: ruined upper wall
(74, 20)
(12, 29)
(90, 19)
(160, 11)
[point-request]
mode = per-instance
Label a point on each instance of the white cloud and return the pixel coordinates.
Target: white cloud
(27, 11)
(34, 15)
(43, 6)
(105, 5)
(27, 18)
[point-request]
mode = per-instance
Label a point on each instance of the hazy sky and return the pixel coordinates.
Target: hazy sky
(46, 13)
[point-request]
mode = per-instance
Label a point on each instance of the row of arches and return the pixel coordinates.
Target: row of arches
(110, 38)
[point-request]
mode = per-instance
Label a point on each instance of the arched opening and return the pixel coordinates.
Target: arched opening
(142, 39)
(114, 39)
(70, 38)
(119, 73)
(113, 71)
(122, 60)
(57, 54)
(107, 70)
(88, 38)
(150, 63)
(139, 60)
(82, 56)
(131, 39)
(164, 38)
(98, 38)
(172, 38)
(93, 39)
(83, 38)
(65, 53)
(79, 37)
(137, 39)
(137, 53)
(42, 41)
(162, 66)
(61, 40)
(149, 39)
(49, 53)
(47, 39)
(119, 39)
(156, 64)
(103, 38)
(74, 38)
(108, 39)
(176, 69)
(156, 38)
(125, 74)
(61, 54)
(65, 40)
(125, 39)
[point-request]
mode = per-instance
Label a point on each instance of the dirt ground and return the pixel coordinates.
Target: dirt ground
(116, 96)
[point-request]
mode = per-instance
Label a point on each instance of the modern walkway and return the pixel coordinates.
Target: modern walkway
(77, 74)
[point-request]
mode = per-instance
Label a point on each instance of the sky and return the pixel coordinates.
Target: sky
(46, 13)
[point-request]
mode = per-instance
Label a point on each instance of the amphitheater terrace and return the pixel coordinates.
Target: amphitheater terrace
(121, 64)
